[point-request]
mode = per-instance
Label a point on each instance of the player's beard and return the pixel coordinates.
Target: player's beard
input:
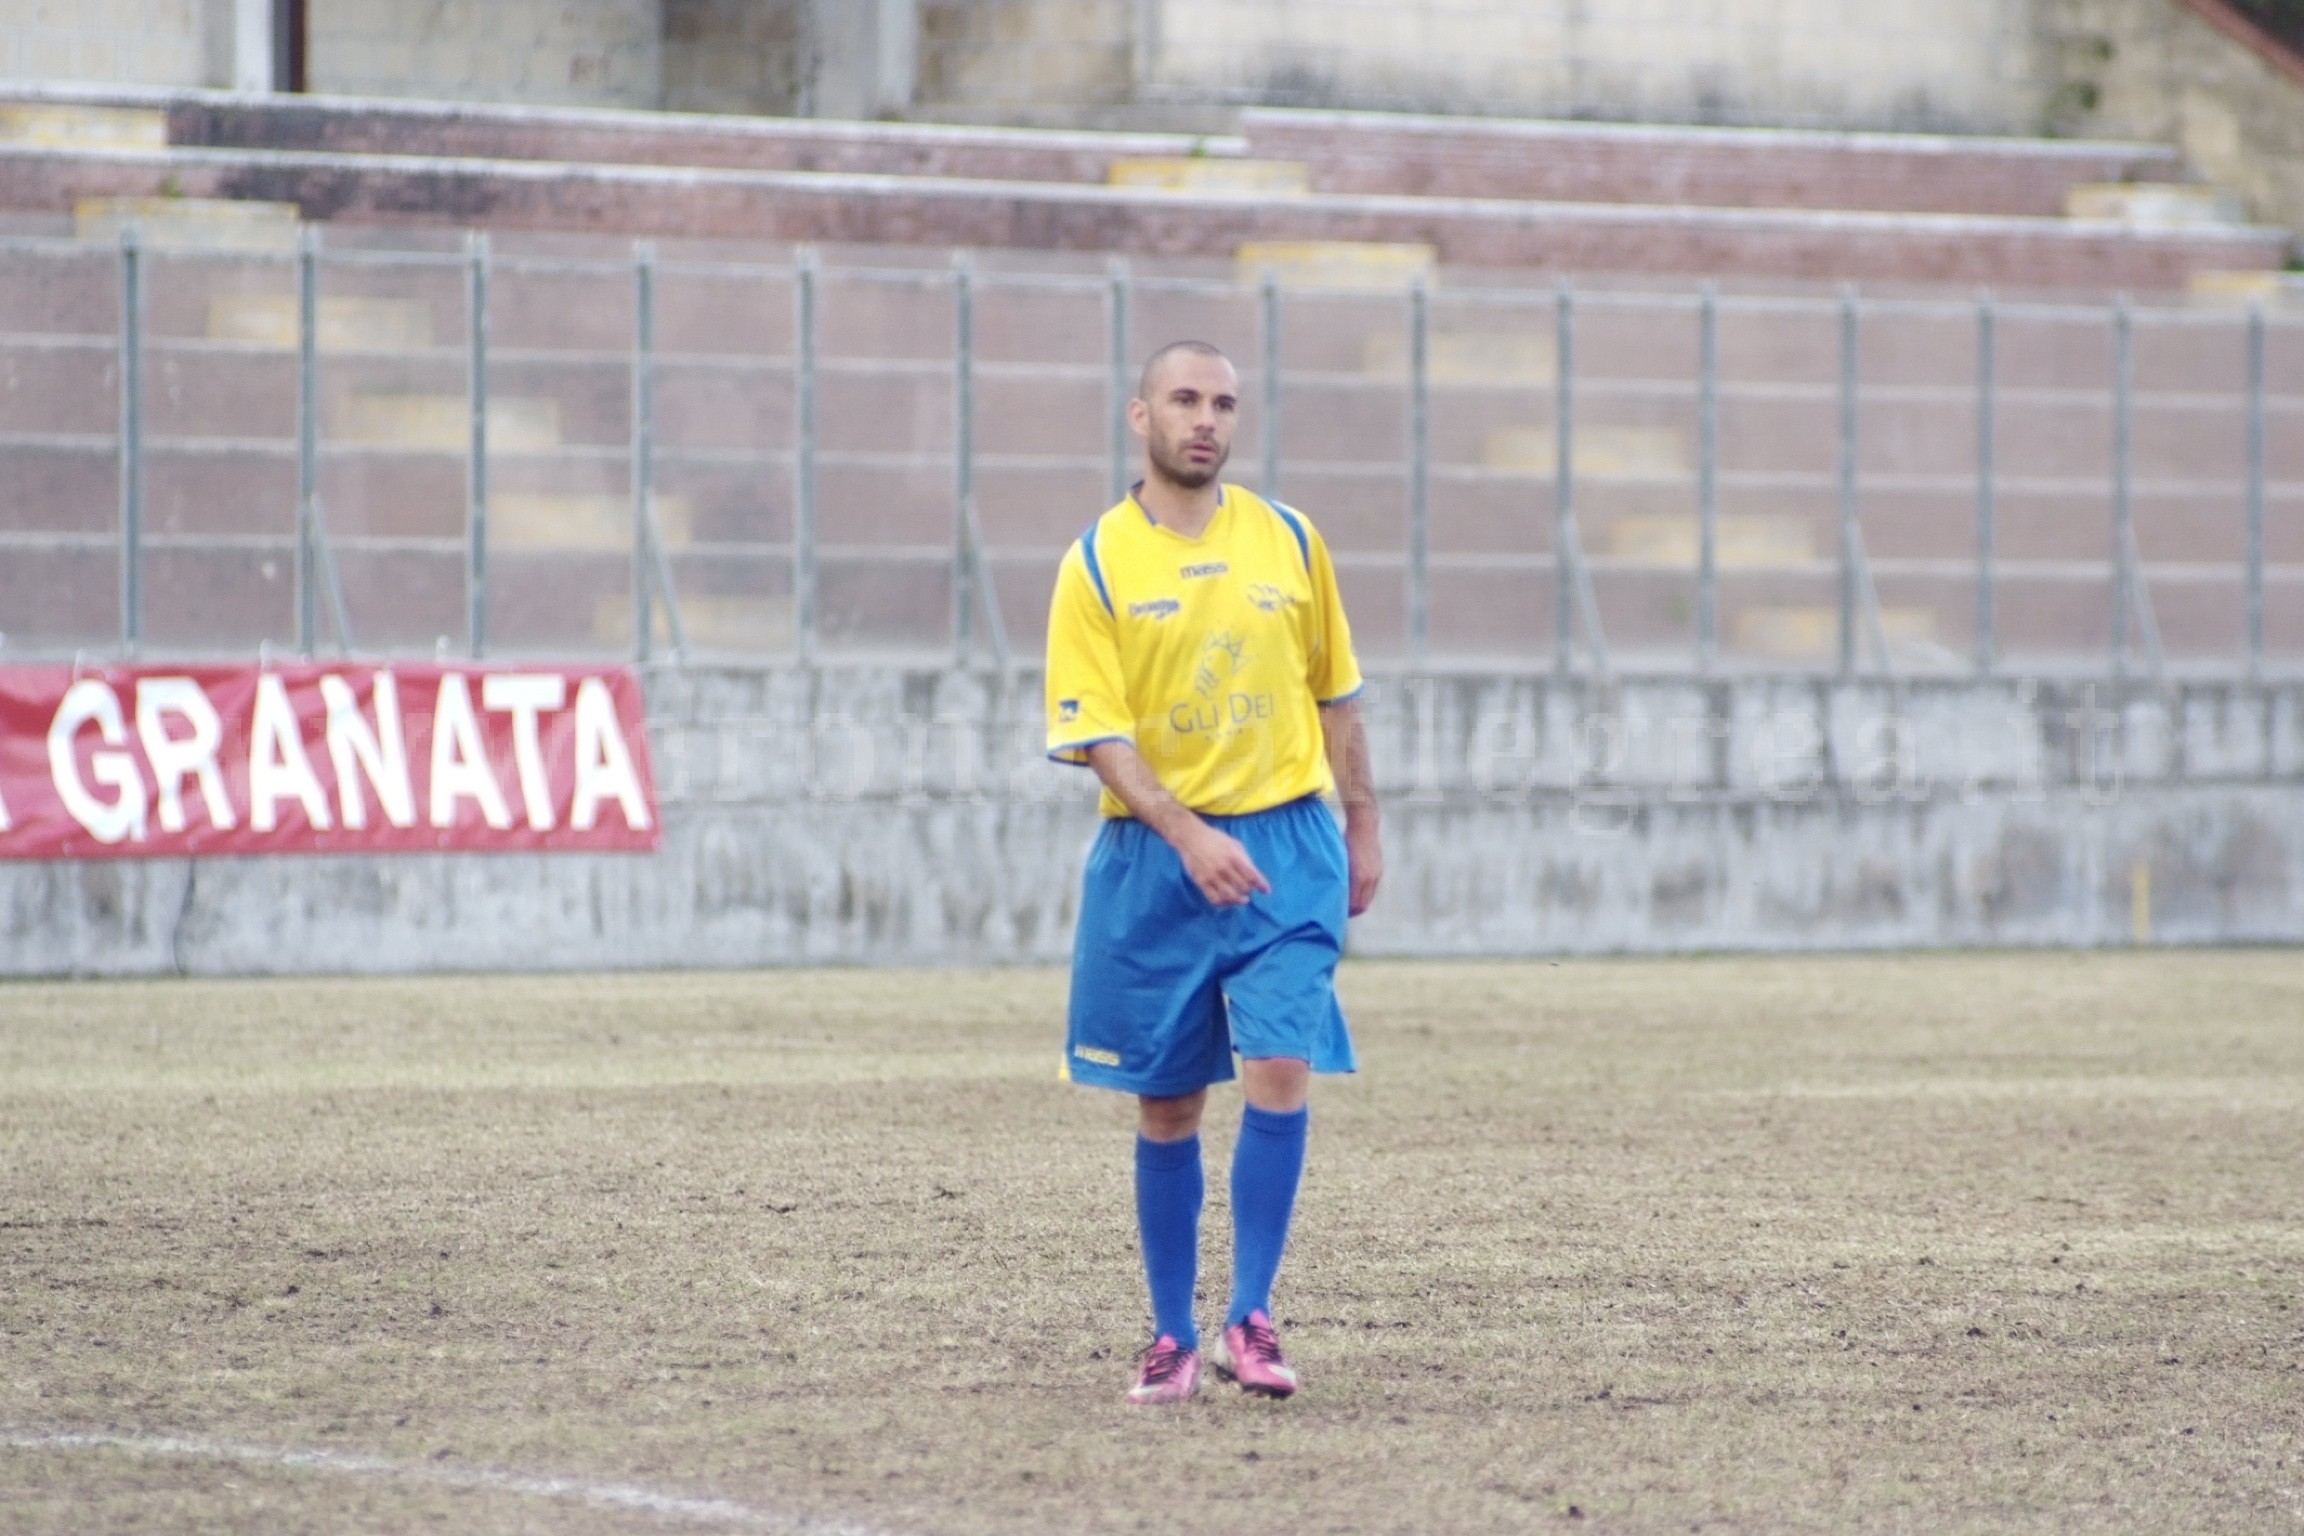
(1169, 461)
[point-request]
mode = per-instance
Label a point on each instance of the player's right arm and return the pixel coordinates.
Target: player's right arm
(1214, 859)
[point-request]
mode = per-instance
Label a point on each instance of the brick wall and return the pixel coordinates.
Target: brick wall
(129, 42)
(594, 53)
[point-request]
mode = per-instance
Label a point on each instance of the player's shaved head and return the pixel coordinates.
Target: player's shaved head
(1187, 403)
(1147, 380)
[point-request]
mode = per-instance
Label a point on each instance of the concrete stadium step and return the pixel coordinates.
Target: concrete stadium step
(1740, 540)
(346, 324)
(1370, 152)
(443, 423)
(167, 220)
(2015, 253)
(1353, 152)
(479, 130)
(1352, 266)
(2147, 205)
(601, 524)
(1811, 632)
(1329, 151)
(742, 624)
(87, 125)
(1203, 173)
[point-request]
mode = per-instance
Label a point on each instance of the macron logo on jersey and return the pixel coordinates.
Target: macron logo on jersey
(1195, 572)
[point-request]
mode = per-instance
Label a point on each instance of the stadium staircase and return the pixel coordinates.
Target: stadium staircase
(1344, 207)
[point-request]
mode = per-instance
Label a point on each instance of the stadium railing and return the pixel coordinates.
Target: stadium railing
(389, 443)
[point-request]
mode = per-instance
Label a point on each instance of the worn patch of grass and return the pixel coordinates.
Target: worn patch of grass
(1945, 1243)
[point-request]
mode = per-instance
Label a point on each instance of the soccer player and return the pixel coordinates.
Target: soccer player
(1199, 662)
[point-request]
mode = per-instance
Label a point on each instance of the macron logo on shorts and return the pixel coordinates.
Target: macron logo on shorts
(1100, 1057)
(1067, 710)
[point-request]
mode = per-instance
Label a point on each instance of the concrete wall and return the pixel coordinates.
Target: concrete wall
(2182, 72)
(1961, 65)
(1036, 60)
(886, 817)
(2174, 70)
(851, 59)
(736, 56)
(125, 42)
(594, 53)
(1932, 64)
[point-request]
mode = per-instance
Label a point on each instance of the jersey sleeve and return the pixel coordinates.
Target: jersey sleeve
(1335, 671)
(1087, 693)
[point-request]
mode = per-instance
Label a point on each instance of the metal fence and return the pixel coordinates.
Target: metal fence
(884, 453)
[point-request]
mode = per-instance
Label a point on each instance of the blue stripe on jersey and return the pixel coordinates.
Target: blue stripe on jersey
(1095, 570)
(1295, 521)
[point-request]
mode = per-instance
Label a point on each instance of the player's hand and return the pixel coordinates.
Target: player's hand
(1364, 854)
(1221, 867)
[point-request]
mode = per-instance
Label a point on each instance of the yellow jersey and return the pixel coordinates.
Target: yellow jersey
(1212, 655)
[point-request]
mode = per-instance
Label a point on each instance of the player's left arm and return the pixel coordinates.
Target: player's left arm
(1347, 739)
(1335, 682)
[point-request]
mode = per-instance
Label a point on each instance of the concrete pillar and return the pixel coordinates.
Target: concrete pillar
(866, 56)
(253, 46)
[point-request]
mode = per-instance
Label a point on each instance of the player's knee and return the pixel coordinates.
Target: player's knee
(1171, 1119)
(1278, 1083)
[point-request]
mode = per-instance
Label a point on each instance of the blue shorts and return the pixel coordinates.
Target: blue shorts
(1166, 986)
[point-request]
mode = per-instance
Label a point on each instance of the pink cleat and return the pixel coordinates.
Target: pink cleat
(1170, 1373)
(1250, 1355)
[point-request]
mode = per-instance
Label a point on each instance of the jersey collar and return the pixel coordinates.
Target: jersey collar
(1223, 510)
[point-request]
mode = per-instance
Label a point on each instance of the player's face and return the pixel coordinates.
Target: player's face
(1186, 420)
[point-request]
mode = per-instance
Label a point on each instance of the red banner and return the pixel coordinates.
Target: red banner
(146, 762)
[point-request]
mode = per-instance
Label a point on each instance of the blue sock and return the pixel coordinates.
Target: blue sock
(1169, 1188)
(1266, 1166)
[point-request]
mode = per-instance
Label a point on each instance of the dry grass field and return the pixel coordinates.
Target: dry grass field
(1931, 1244)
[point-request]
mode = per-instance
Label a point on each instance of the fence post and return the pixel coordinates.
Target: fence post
(1849, 384)
(804, 620)
(643, 446)
(1564, 482)
(476, 504)
(1121, 388)
(1271, 318)
(963, 454)
(1419, 473)
(307, 436)
(2123, 511)
(1987, 472)
(1708, 478)
(2255, 577)
(131, 440)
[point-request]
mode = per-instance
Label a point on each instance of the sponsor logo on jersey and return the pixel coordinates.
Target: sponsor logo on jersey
(1221, 710)
(1157, 608)
(1195, 572)
(1270, 598)
(1232, 713)
(1102, 1058)
(1221, 656)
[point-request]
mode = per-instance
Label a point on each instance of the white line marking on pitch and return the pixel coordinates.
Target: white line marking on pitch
(620, 1496)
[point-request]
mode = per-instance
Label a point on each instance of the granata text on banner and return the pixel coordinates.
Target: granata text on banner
(166, 762)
